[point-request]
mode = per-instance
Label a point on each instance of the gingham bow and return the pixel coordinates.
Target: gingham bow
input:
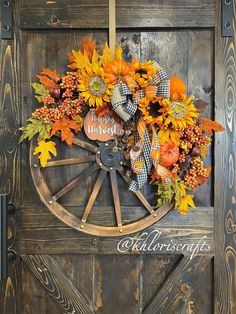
(126, 101)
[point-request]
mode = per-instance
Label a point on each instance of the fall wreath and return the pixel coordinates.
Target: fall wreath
(160, 129)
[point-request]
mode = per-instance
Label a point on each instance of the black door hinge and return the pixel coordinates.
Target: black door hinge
(7, 19)
(227, 18)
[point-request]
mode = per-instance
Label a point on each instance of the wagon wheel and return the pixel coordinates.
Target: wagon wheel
(106, 160)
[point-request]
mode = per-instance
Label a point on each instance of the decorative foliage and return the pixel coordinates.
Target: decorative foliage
(65, 125)
(164, 136)
(44, 149)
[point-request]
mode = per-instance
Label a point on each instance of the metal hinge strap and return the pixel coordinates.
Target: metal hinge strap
(6, 19)
(227, 18)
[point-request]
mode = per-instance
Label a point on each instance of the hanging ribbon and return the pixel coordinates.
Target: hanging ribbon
(144, 155)
(112, 25)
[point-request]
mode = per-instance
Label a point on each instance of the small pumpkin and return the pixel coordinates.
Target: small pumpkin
(169, 154)
(116, 71)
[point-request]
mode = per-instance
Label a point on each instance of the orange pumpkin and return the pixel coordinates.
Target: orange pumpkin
(169, 154)
(177, 86)
(116, 71)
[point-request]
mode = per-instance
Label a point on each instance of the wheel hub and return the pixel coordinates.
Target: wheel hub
(109, 156)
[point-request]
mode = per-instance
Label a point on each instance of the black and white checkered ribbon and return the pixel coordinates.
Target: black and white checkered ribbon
(142, 177)
(127, 103)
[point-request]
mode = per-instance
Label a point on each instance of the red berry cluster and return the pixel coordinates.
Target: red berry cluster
(197, 168)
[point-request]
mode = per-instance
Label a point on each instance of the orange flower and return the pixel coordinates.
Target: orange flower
(177, 87)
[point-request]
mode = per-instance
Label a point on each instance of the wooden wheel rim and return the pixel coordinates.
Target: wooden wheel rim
(74, 222)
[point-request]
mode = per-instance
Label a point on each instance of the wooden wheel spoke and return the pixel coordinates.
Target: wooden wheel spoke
(82, 144)
(71, 161)
(116, 197)
(138, 193)
(94, 194)
(87, 172)
(85, 145)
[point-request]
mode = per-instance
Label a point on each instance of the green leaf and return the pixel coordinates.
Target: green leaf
(34, 126)
(40, 91)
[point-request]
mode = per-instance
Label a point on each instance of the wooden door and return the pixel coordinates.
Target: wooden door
(61, 270)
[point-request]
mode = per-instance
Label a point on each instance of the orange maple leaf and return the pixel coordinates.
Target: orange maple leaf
(89, 47)
(52, 74)
(65, 125)
(202, 179)
(71, 58)
(49, 78)
(210, 126)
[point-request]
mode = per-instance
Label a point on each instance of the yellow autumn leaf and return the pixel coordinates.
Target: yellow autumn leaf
(79, 120)
(185, 202)
(44, 149)
(80, 60)
(203, 152)
(118, 53)
(107, 55)
(164, 135)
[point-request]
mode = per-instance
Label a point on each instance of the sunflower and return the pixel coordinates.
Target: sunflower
(92, 85)
(179, 112)
(150, 108)
(142, 73)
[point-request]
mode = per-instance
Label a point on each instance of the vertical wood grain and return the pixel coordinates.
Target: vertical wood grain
(117, 284)
(9, 158)
(155, 269)
(225, 161)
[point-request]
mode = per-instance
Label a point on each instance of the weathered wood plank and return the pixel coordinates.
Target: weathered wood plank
(57, 284)
(185, 288)
(9, 160)
(155, 269)
(94, 14)
(196, 227)
(117, 284)
(31, 293)
(200, 84)
(225, 161)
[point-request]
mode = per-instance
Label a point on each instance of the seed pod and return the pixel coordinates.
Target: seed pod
(195, 151)
(55, 93)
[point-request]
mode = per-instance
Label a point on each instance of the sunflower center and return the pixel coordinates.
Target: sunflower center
(179, 110)
(97, 86)
(154, 108)
(141, 71)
